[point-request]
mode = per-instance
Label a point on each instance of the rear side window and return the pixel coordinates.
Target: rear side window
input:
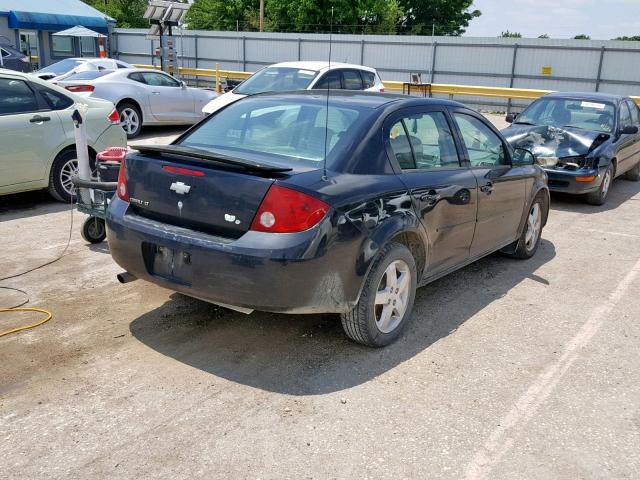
(352, 80)
(16, 97)
(331, 80)
(484, 146)
(57, 101)
(423, 142)
(368, 79)
(4, 53)
(137, 77)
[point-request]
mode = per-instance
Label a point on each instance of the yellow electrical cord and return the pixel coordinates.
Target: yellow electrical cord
(26, 327)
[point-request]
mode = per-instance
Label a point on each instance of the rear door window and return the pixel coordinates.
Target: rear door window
(16, 97)
(424, 142)
(330, 80)
(55, 100)
(351, 80)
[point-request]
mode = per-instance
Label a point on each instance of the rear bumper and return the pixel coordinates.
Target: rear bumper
(566, 181)
(283, 273)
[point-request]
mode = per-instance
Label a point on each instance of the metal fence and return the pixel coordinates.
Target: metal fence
(547, 64)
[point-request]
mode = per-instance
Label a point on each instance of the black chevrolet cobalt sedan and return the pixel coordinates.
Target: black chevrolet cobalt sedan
(279, 204)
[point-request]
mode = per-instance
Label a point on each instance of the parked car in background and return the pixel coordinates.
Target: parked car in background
(288, 76)
(12, 58)
(143, 97)
(582, 140)
(269, 205)
(37, 134)
(67, 67)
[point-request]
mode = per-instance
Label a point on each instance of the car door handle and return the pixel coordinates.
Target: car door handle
(39, 119)
(487, 188)
(156, 93)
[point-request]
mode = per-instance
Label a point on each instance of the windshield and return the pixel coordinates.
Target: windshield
(290, 132)
(563, 112)
(276, 79)
(62, 66)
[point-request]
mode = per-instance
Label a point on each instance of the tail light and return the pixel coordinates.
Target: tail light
(81, 88)
(382, 90)
(122, 191)
(287, 211)
(114, 117)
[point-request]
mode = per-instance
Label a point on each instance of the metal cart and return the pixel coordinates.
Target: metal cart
(98, 198)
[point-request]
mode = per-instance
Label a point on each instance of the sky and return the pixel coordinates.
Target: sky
(600, 19)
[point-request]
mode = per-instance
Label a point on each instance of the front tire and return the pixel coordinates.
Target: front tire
(634, 173)
(386, 300)
(529, 241)
(64, 168)
(130, 119)
(599, 197)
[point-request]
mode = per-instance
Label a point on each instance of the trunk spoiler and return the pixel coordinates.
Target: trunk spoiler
(210, 156)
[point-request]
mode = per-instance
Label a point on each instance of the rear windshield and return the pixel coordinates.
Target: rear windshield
(89, 75)
(564, 112)
(288, 132)
(277, 79)
(62, 66)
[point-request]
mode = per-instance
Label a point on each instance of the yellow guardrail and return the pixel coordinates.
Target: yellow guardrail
(391, 86)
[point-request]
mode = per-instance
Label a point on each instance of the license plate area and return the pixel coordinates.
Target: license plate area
(168, 263)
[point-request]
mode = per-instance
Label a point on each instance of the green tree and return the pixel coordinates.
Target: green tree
(508, 34)
(128, 13)
(634, 38)
(450, 17)
(582, 36)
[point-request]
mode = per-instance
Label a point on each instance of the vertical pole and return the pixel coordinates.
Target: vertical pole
(195, 54)
(513, 74)
(218, 77)
(433, 61)
(362, 52)
(153, 62)
(262, 15)
(299, 48)
(599, 78)
(244, 54)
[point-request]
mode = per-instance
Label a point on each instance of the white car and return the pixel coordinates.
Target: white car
(69, 66)
(143, 97)
(37, 134)
(287, 76)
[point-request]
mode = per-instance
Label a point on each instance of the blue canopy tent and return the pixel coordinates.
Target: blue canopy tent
(55, 22)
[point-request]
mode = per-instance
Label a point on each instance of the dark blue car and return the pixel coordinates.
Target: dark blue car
(582, 140)
(241, 211)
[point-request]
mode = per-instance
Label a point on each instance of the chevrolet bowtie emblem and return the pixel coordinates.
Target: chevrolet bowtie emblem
(180, 188)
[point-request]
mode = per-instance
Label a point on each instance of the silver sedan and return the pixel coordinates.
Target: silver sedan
(143, 97)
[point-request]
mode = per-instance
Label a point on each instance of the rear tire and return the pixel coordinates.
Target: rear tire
(130, 119)
(529, 241)
(599, 197)
(386, 300)
(634, 173)
(64, 167)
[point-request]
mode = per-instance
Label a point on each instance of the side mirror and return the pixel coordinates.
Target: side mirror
(511, 117)
(522, 157)
(629, 130)
(183, 84)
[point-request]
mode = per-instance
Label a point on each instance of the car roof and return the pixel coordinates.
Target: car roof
(320, 65)
(587, 96)
(359, 98)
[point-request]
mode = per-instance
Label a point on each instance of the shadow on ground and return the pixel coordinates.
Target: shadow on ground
(309, 354)
(29, 204)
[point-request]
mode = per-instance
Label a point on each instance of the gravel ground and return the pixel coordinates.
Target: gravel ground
(508, 370)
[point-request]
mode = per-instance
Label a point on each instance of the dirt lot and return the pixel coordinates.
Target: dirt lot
(508, 370)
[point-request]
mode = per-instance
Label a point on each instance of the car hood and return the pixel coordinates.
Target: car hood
(221, 101)
(548, 141)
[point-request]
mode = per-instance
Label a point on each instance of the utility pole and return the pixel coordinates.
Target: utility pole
(262, 15)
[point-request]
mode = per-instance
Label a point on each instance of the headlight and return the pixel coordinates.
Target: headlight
(547, 161)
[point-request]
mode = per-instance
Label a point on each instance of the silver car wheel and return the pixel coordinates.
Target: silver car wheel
(129, 120)
(534, 222)
(67, 172)
(392, 296)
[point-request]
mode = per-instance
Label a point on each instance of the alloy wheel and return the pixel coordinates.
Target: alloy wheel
(392, 296)
(534, 223)
(129, 120)
(67, 172)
